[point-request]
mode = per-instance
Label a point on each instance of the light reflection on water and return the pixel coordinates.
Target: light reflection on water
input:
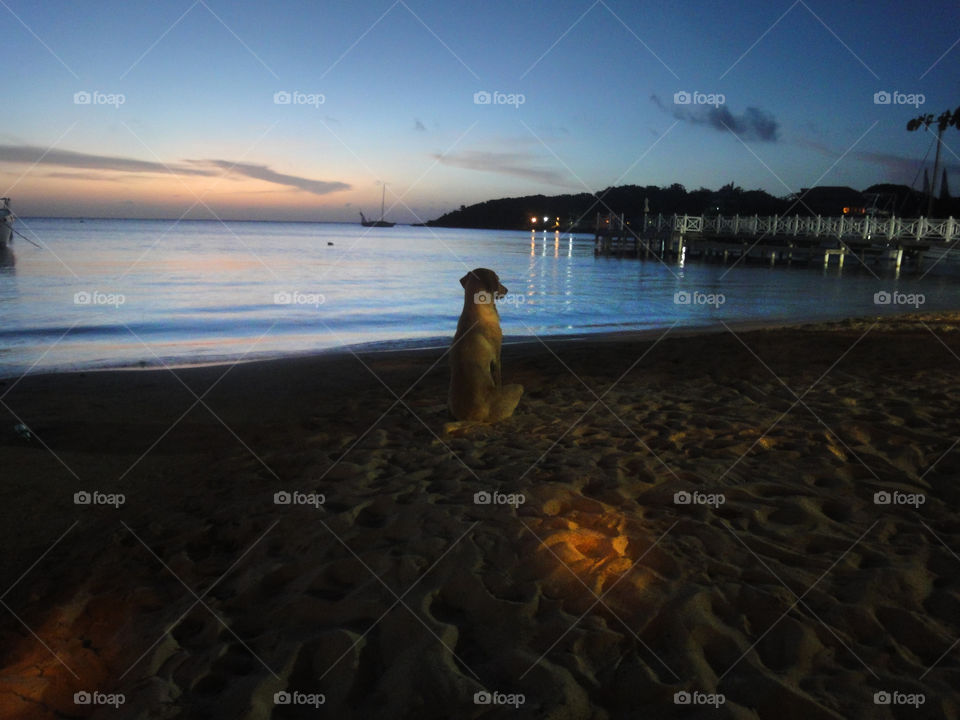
(200, 291)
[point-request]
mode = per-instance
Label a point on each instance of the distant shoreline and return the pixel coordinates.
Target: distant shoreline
(428, 224)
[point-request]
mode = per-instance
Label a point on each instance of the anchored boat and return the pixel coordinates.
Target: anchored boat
(6, 224)
(381, 222)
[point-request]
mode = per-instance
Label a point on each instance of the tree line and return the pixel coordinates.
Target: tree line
(580, 210)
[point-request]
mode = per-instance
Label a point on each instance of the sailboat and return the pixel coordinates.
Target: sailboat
(381, 222)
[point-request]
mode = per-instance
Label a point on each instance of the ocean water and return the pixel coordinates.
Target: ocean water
(128, 293)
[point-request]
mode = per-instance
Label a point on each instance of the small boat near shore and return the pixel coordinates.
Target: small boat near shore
(381, 222)
(6, 224)
(6, 234)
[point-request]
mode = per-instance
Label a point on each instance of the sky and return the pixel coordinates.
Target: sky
(302, 110)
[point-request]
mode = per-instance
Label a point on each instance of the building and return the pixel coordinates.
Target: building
(832, 201)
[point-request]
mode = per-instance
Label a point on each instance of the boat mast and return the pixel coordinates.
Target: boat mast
(383, 198)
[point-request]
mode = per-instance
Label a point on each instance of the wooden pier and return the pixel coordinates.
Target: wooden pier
(615, 236)
(781, 238)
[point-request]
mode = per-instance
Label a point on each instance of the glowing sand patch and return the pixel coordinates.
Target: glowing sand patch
(77, 643)
(593, 554)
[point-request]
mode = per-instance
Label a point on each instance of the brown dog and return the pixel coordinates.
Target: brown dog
(476, 390)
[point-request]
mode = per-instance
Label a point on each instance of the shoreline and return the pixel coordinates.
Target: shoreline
(441, 343)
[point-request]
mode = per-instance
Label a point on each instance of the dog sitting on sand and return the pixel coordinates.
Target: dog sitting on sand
(476, 391)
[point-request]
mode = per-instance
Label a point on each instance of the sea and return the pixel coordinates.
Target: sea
(162, 293)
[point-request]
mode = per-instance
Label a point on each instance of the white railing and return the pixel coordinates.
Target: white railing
(891, 230)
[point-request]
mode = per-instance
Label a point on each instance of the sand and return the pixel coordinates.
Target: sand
(781, 590)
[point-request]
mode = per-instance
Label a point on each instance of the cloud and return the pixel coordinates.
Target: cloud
(94, 176)
(520, 165)
(262, 172)
(102, 164)
(34, 155)
(419, 126)
(752, 124)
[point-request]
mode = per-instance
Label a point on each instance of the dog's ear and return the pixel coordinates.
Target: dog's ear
(463, 280)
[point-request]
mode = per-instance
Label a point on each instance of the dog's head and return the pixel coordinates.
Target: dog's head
(484, 285)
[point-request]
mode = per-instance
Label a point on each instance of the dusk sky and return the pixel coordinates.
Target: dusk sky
(186, 111)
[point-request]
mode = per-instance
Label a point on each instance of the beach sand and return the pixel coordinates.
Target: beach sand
(783, 585)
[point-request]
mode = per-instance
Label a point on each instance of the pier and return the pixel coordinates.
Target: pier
(777, 238)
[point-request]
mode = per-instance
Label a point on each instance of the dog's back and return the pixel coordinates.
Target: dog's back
(476, 391)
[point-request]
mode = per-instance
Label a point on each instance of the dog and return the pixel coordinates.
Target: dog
(476, 391)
